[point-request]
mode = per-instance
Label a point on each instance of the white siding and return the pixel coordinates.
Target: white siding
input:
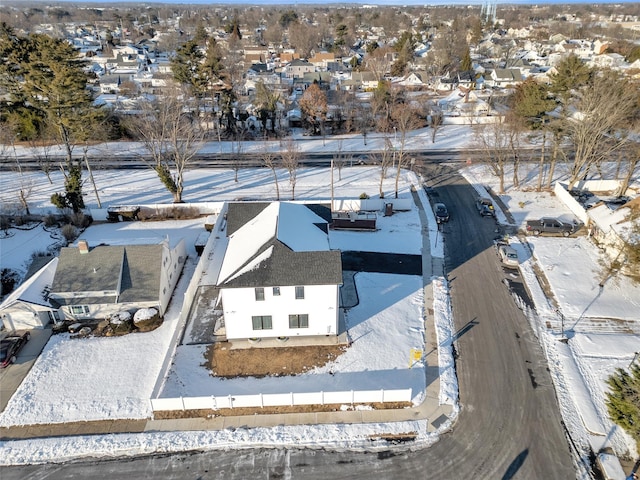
(25, 316)
(105, 310)
(170, 269)
(320, 303)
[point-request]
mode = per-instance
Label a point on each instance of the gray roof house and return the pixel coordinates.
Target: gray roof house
(93, 283)
(279, 278)
(503, 77)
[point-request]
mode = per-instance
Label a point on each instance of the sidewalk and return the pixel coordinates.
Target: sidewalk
(429, 410)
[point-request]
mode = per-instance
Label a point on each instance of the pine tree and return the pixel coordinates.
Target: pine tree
(186, 65)
(623, 401)
(570, 74)
(531, 102)
(46, 76)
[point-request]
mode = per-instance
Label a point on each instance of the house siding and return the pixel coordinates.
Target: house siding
(171, 268)
(320, 303)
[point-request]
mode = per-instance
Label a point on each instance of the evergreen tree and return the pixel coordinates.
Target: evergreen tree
(72, 198)
(46, 76)
(186, 67)
(200, 36)
(531, 102)
(623, 401)
(267, 104)
(570, 74)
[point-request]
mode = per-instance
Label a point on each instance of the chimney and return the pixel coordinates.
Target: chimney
(83, 246)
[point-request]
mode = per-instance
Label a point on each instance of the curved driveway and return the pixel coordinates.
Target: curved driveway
(508, 428)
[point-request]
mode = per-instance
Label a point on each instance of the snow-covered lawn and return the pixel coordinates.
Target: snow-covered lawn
(111, 378)
(383, 327)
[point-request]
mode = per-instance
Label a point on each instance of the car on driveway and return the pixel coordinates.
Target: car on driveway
(485, 207)
(508, 256)
(552, 225)
(441, 212)
(10, 346)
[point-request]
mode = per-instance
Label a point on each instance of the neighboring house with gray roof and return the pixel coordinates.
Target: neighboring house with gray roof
(505, 77)
(93, 283)
(278, 277)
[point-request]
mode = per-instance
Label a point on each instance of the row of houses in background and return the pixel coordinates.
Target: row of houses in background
(133, 69)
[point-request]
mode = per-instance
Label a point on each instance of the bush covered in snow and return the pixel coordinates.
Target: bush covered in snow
(146, 319)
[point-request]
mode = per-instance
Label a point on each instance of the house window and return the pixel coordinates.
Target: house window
(259, 294)
(299, 321)
(276, 291)
(79, 309)
(261, 322)
(299, 293)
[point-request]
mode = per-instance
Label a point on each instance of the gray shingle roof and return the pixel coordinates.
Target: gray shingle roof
(287, 268)
(141, 273)
(135, 267)
(284, 267)
(95, 271)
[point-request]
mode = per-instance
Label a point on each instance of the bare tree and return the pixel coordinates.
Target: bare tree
(494, 139)
(599, 128)
(556, 150)
(405, 119)
(269, 160)
(25, 190)
(237, 150)
(40, 147)
(172, 137)
(435, 119)
(314, 105)
(378, 62)
(291, 161)
(514, 127)
(340, 159)
(633, 155)
(384, 159)
(7, 150)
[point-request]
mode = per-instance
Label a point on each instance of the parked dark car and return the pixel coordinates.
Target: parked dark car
(485, 207)
(441, 212)
(10, 346)
(552, 225)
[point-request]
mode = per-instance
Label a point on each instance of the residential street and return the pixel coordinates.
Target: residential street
(509, 425)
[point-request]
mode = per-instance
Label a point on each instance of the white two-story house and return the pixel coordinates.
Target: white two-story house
(278, 277)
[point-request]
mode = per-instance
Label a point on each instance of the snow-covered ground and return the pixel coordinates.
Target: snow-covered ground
(601, 315)
(109, 385)
(596, 345)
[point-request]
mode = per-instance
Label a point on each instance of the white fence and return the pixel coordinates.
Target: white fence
(599, 186)
(281, 399)
(578, 210)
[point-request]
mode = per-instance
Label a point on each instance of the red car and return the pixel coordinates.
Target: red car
(10, 346)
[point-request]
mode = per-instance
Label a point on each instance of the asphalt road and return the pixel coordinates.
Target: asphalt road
(508, 428)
